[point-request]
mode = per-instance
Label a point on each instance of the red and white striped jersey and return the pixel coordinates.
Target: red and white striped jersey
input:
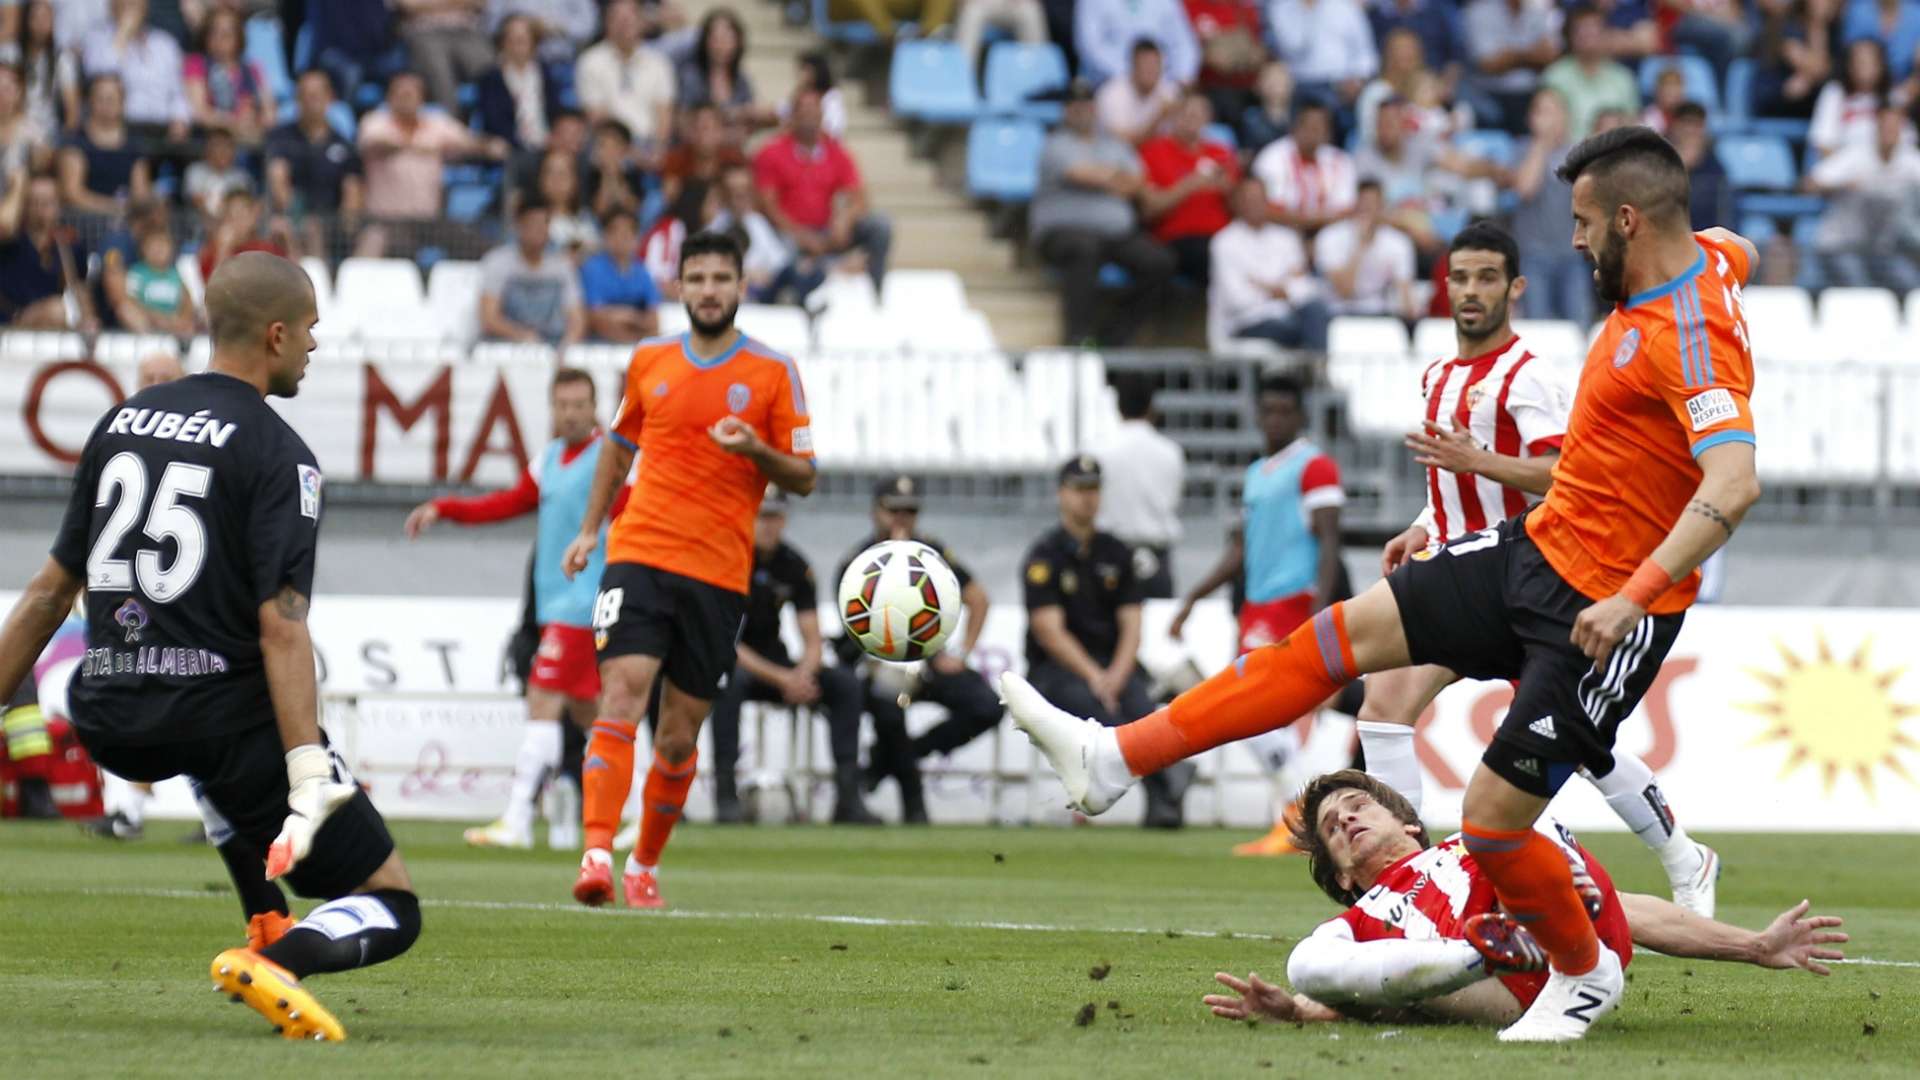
(1513, 405)
(1430, 895)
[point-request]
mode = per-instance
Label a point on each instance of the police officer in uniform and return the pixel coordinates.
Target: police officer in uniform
(1083, 624)
(764, 671)
(973, 709)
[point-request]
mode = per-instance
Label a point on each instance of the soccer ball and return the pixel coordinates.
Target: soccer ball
(899, 600)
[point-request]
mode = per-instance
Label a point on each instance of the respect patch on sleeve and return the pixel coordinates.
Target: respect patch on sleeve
(1711, 407)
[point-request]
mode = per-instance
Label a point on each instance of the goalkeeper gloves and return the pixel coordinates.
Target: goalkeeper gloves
(312, 795)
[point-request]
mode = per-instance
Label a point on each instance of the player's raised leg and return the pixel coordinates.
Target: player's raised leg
(606, 779)
(1394, 701)
(1693, 868)
(1268, 688)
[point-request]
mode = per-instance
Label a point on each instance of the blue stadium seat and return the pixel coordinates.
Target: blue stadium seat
(931, 82)
(1222, 134)
(851, 32)
(1448, 221)
(1792, 129)
(340, 117)
(1003, 159)
(1763, 162)
(1016, 72)
(468, 202)
(1490, 144)
(266, 49)
(1702, 85)
(1739, 99)
(1759, 228)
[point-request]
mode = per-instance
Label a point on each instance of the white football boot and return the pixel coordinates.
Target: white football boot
(500, 834)
(1696, 891)
(1075, 747)
(561, 807)
(1569, 1004)
(628, 836)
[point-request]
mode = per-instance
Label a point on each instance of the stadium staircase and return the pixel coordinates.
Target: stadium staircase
(934, 224)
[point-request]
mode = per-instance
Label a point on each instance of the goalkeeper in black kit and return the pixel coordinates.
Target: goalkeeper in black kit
(192, 526)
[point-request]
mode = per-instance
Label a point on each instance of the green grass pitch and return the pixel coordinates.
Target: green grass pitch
(862, 953)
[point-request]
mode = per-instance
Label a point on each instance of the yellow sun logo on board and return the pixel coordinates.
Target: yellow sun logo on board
(1838, 715)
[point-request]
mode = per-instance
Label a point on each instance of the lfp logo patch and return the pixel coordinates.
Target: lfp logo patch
(132, 618)
(1629, 344)
(310, 483)
(738, 395)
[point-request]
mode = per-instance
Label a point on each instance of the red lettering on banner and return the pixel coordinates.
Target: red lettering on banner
(36, 391)
(1487, 708)
(1665, 738)
(499, 411)
(1430, 758)
(437, 398)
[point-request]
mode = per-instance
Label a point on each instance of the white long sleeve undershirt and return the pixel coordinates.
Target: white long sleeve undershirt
(1331, 967)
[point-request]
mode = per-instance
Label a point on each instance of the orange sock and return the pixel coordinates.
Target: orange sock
(605, 780)
(1267, 688)
(664, 793)
(1531, 877)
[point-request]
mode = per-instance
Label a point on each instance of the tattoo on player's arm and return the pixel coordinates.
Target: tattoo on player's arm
(1707, 510)
(291, 605)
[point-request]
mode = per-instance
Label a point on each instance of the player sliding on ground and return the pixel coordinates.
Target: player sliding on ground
(715, 415)
(1579, 599)
(1496, 419)
(193, 525)
(1421, 938)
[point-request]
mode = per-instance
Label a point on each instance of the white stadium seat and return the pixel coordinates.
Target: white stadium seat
(453, 292)
(673, 317)
(858, 330)
(918, 294)
(511, 353)
(111, 348)
(1859, 324)
(1373, 335)
(1780, 322)
(382, 298)
(776, 326)
(945, 333)
(1557, 341)
(1913, 314)
(1433, 339)
(844, 292)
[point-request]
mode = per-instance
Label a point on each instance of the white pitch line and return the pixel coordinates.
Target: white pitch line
(808, 917)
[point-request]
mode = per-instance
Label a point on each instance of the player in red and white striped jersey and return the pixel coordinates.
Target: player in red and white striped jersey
(1422, 934)
(1495, 416)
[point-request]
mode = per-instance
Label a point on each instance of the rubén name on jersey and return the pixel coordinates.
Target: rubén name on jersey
(201, 427)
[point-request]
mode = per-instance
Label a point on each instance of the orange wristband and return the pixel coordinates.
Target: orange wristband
(1647, 584)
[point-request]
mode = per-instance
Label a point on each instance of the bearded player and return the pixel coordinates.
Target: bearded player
(1420, 938)
(1579, 599)
(715, 416)
(193, 526)
(1495, 421)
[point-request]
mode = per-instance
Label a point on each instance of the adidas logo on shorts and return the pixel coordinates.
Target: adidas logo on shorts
(1542, 727)
(1530, 766)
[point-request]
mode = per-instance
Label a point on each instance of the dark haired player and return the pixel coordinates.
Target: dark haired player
(1496, 417)
(193, 525)
(1421, 937)
(1578, 599)
(716, 417)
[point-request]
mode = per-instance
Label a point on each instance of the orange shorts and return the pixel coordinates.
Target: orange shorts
(565, 662)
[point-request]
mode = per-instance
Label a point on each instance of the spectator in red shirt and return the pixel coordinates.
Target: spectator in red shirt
(1184, 200)
(238, 230)
(1231, 50)
(812, 191)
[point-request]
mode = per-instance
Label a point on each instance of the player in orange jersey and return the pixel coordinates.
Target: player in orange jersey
(1578, 599)
(714, 416)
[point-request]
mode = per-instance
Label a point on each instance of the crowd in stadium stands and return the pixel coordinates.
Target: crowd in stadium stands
(1294, 159)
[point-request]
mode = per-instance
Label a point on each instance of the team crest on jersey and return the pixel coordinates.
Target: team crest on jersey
(132, 618)
(1475, 395)
(1629, 344)
(1069, 582)
(738, 395)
